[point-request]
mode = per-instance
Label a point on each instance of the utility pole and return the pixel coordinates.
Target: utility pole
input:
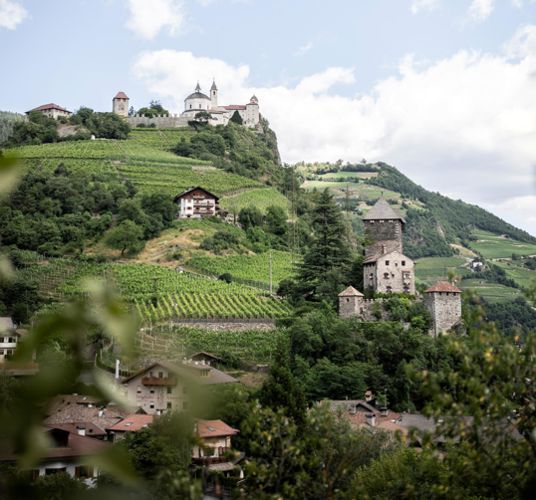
(270, 265)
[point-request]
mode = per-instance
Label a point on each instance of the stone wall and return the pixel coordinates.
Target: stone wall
(445, 309)
(384, 230)
(172, 121)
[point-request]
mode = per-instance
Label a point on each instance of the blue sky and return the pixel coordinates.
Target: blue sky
(443, 89)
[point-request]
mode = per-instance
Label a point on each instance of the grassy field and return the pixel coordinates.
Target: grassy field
(432, 269)
(347, 175)
(521, 275)
(248, 267)
(492, 292)
(493, 246)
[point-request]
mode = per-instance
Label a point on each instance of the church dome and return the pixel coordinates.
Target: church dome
(197, 94)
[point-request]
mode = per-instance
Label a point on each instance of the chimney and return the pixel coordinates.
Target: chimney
(383, 249)
(371, 419)
(81, 431)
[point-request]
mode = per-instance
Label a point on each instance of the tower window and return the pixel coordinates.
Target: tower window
(403, 262)
(386, 276)
(386, 262)
(347, 300)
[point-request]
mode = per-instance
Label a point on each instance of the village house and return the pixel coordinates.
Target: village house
(52, 111)
(67, 453)
(163, 386)
(9, 338)
(215, 437)
(197, 202)
(131, 423)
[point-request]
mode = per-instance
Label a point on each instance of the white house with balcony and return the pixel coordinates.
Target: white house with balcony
(196, 203)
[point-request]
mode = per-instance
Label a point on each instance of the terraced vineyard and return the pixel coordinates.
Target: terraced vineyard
(492, 292)
(254, 346)
(158, 293)
(494, 246)
(261, 198)
(162, 139)
(432, 269)
(248, 267)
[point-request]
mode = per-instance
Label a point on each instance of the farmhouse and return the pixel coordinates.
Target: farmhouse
(52, 111)
(9, 338)
(163, 386)
(197, 202)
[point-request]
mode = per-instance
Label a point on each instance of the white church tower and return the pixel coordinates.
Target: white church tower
(213, 95)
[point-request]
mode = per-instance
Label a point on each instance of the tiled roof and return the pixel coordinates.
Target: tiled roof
(50, 106)
(443, 286)
(232, 107)
(179, 196)
(121, 95)
(382, 211)
(214, 428)
(133, 422)
(351, 292)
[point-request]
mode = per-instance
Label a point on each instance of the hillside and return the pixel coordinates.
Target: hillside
(442, 234)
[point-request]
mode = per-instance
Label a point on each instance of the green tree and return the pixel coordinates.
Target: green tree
(250, 217)
(236, 118)
(127, 235)
(326, 263)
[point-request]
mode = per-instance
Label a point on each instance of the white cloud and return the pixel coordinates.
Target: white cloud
(301, 51)
(148, 18)
(464, 125)
(523, 43)
(419, 5)
(12, 13)
(480, 10)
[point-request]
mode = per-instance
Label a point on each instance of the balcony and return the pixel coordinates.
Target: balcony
(160, 381)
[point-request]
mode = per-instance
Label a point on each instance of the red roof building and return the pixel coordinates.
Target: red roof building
(51, 110)
(443, 286)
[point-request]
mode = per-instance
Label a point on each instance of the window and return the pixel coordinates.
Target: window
(152, 391)
(138, 390)
(49, 472)
(386, 262)
(386, 276)
(160, 374)
(169, 390)
(83, 471)
(347, 300)
(403, 262)
(151, 406)
(169, 405)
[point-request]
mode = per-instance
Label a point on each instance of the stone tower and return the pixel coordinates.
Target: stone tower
(213, 95)
(350, 303)
(444, 303)
(120, 104)
(384, 227)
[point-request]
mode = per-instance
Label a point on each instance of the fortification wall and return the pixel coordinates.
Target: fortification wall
(172, 121)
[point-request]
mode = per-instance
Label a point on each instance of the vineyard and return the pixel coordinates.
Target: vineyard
(253, 346)
(163, 139)
(158, 293)
(260, 198)
(248, 267)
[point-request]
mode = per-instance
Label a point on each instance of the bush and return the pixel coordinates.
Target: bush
(222, 240)
(227, 277)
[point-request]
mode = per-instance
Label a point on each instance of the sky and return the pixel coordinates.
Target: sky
(445, 90)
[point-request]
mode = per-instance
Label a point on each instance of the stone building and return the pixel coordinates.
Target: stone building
(52, 111)
(350, 303)
(194, 103)
(385, 267)
(444, 303)
(120, 104)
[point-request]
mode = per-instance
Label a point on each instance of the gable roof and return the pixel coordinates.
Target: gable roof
(376, 256)
(232, 107)
(351, 292)
(121, 95)
(443, 286)
(133, 422)
(383, 211)
(184, 193)
(191, 371)
(51, 105)
(214, 428)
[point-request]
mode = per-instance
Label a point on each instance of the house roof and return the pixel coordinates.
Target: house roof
(121, 95)
(443, 286)
(90, 428)
(383, 211)
(6, 323)
(214, 428)
(232, 107)
(377, 255)
(132, 423)
(184, 193)
(199, 373)
(206, 355)
(51, 105)
(351, 292)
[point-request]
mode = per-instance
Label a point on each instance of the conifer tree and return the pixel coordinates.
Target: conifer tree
(327, 262)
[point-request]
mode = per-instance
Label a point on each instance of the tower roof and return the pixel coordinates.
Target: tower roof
(198, 87)
(350, 292)
(443, 286)
(213, 87)
(121, 95)
(382, 210)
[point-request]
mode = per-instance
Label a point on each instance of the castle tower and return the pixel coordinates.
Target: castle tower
(120, 104)
(350, 303)
(384, 227)
(444, 303)
(214, 95)
(252, 112)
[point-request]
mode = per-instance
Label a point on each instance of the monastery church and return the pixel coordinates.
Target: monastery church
(194, 103)
(387, 270)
